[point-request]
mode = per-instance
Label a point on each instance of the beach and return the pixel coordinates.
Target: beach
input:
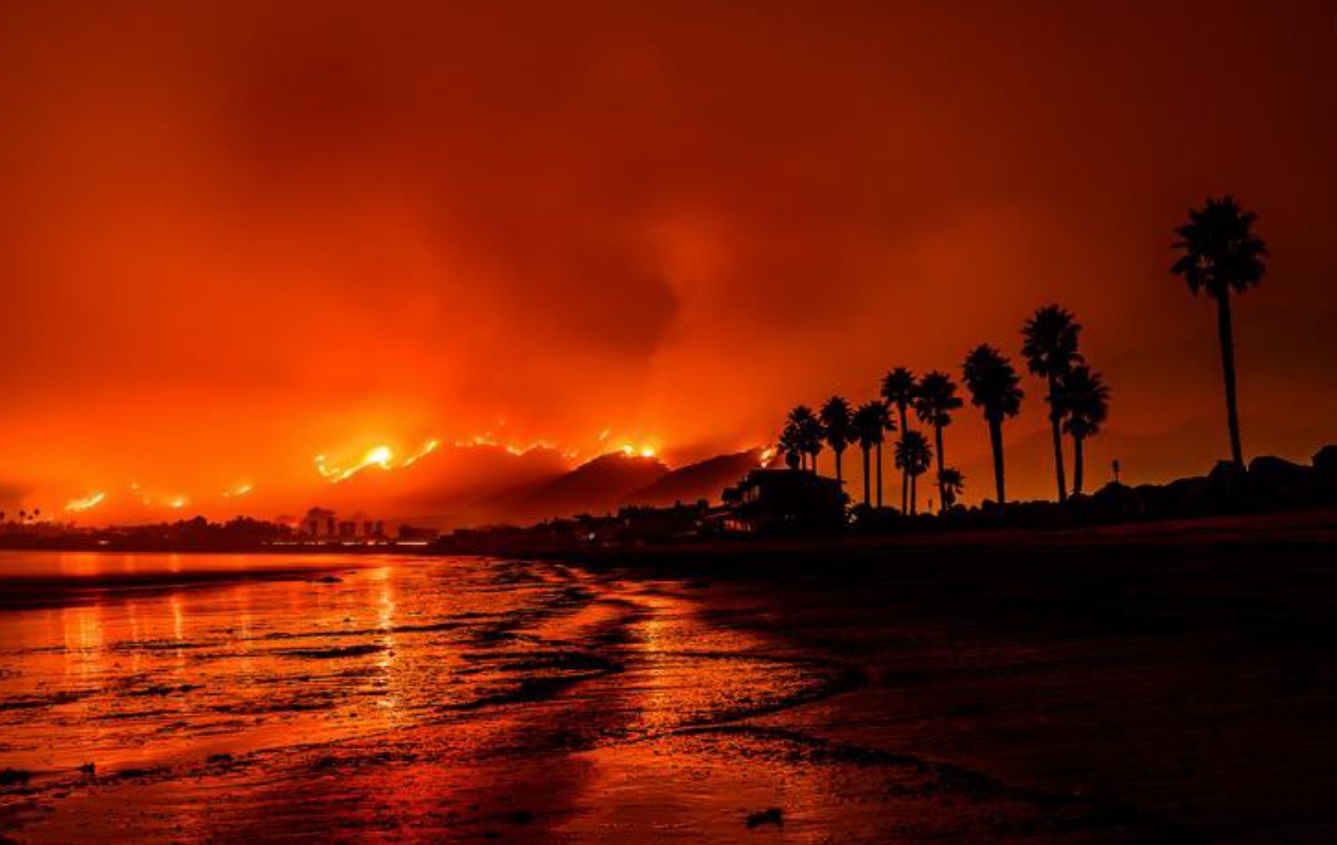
(1163, 688)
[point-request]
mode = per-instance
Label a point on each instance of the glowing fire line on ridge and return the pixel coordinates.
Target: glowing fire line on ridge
(86, 503)
(378, 456)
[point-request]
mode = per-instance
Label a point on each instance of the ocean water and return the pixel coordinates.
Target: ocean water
(383, 700)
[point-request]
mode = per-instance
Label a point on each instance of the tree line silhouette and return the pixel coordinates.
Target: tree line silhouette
(1220, 253)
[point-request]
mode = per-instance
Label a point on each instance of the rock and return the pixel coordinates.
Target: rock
(11, 777)
(774, 816)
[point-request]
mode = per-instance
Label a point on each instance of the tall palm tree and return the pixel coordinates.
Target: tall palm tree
(995, 389)
(1222, 253)
(869, 424)
(913, 457)
(837, 423)
(935, 400)
(884, 419)
(1049, 345)
(898, 388)
(807, 434)
(953, 484)
(788, 445)
(1086, 405)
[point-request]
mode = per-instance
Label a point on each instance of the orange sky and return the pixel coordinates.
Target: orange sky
(234, 236)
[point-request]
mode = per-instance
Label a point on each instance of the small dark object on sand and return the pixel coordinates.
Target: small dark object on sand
(9, 777)
(330, 579)
(88, 768)
(220, 759)
(520, 817)
(774, 816)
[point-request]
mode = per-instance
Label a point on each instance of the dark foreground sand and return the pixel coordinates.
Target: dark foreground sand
(1183, 670)
(1158, 684)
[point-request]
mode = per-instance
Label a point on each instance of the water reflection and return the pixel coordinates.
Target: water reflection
(427, 701)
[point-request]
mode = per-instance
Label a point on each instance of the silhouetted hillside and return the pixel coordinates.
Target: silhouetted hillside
(595, 487)
(703, 480)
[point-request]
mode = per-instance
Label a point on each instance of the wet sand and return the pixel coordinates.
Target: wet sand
(978, 695)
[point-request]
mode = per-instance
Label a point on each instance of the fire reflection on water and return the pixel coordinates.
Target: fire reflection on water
(436, 698)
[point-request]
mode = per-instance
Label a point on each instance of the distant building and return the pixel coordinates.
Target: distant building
(319, 522)
(785, 500)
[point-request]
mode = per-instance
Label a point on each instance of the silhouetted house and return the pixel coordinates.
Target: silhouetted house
(778, 500)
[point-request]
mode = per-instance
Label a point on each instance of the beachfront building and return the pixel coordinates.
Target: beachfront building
(786, 500)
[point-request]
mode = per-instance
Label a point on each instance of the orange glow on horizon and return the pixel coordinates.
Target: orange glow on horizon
(358, 240)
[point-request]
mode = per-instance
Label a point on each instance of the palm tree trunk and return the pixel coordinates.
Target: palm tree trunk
(1227, 333)
(914, 494)
(941, 498)
(1076, 465)
(905, 477)
(996, 441)
(879, 475)
(1054, 425)
(839, 476)
(866, 478)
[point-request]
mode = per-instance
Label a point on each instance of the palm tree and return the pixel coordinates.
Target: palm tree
(1049, 346)
(836, 427)
(995, 389)
(898, 388)
(884, 419)
(1222, 253)
(788, 445)
(953, 484)
(913, 457)
(869, 425)
(1086, 404)
(807, 434)
(935, 400)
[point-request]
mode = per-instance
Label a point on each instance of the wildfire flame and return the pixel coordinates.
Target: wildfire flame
(86, 503)
(512, 448)
(427, 448)
(378, 456)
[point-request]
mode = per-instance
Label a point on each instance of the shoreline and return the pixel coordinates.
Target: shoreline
(31, 592)
(1178, 679)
